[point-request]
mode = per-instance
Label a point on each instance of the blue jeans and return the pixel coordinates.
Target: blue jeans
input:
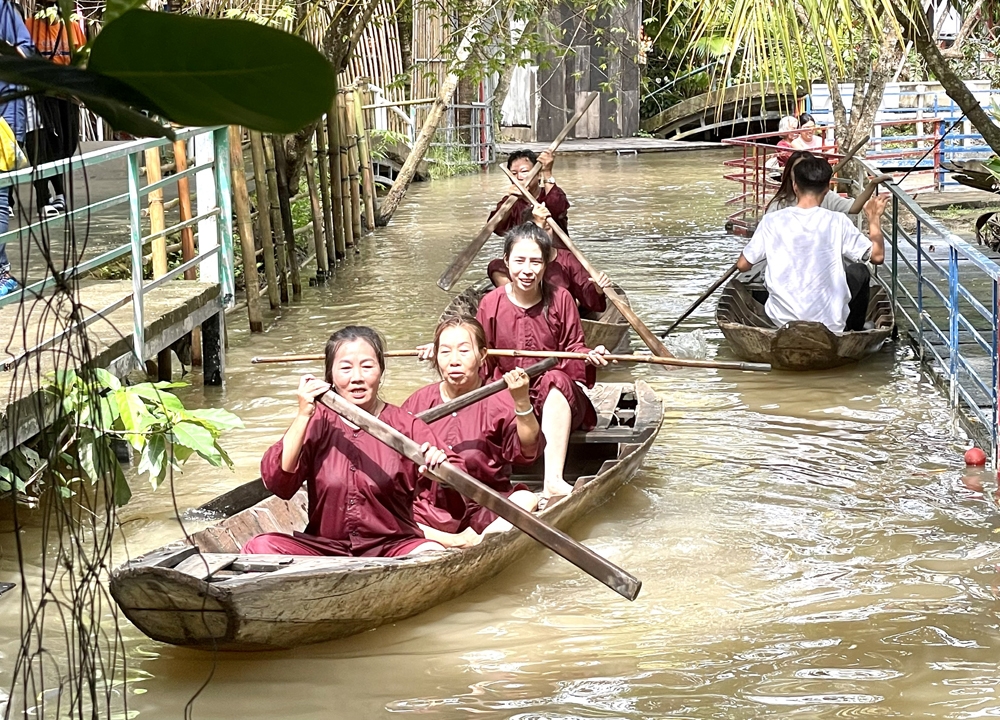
(15, 114)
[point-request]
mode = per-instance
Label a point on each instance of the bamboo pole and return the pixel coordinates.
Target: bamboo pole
(323, 160)
(354, 165)
(316, 211)
(276, 224)
(285, 205)
(345, 175)
(264, 217)
(336, 181)
(241, 203)
(188, 250)
(156, 218)
(367, 177)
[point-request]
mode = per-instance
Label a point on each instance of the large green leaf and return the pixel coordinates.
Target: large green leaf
(116, 8)
(201, 71)
(198, 439)
(221, 419)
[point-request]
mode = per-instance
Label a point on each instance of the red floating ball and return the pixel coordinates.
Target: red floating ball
(975, 456)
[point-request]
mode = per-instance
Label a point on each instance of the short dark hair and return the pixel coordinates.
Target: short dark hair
(521, 154)
(806, 118)
(812, 175)
(350, 334)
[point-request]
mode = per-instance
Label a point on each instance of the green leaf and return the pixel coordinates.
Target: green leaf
(156, 395)
(116, 8)
(123, 118)
(221, 419)
(217, 72)
(107, 379)
(122, 492)
(153, 459)
(198, 439)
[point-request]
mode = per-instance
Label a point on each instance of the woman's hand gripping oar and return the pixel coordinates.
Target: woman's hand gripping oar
(559, 542)
(462, 261)
(652, 342)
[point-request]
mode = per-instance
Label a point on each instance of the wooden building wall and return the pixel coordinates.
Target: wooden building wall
(567, 75)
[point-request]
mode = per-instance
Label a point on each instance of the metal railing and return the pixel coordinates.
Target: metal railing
(214, 260)
(945, 294)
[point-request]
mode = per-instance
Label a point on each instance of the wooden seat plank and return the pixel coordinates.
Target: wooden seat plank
(203, 566)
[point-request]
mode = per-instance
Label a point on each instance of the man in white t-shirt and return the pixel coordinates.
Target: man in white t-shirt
(806, 246)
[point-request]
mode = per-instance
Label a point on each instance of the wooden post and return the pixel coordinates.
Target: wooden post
(354, 165)
(264, 216)
(188, 250)
(367, 177)
(276, 224)
(157, 223)
(241, 203)
(316, 210)
(345, 174)
(336, 181)
(284, 203)
(323, 160)
(213, 334)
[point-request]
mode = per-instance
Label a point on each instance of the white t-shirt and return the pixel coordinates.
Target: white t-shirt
(805, 252)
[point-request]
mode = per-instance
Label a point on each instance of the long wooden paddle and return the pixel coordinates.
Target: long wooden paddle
(642, 359)
(652, 342)
(865, 196)
(733, 270)
(559, 542)
(253, 492)
(462, 261)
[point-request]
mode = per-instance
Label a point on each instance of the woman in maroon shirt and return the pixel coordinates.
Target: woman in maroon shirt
(361, 492)
(529, 314)
(489, 435)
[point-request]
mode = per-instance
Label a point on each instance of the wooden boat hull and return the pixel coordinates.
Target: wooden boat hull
(609, 328)
(798, 345)
(170, 595)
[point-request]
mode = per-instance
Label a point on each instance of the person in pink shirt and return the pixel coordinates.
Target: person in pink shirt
(361, 492)
(490, 435)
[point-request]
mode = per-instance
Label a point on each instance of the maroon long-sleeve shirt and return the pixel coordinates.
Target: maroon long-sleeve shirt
(554, 199)
(360, 491)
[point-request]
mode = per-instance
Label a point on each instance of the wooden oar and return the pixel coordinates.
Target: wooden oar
(559, 542)
(462, 261)
(733, 270)
(865, 196)
(644, 359)
(652, 342)
(474, 396)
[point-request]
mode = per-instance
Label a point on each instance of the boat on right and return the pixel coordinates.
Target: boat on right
(799, 345)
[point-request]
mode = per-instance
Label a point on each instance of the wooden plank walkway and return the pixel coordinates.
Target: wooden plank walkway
(171, 311)
(621, 146)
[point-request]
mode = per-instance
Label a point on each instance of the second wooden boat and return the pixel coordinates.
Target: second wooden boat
(202, 592)
(609, 328)
(798, 345)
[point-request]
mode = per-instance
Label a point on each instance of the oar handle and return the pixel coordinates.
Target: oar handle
(647, 335)
(704, 296)
(462, 261)
(559, 542)
(865, 196)
(474, 396)
(646, 359)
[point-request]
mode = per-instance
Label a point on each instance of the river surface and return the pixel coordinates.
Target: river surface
(810, 545)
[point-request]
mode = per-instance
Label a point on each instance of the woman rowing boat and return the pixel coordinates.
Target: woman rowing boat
(530, 314)
(361, 492)
(490, 435)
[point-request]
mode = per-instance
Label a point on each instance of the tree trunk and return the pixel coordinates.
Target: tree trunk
(434, 117)
(956, 88)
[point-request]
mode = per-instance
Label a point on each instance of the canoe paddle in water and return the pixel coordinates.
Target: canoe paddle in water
(462, 261)
(642, 359)
(559, 542)
(855, 209)
(652, 342)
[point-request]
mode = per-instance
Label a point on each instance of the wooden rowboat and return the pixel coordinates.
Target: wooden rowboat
(798, 345)
(609, 328)
(206, 594)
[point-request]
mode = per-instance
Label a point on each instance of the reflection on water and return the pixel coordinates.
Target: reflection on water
(808, 543)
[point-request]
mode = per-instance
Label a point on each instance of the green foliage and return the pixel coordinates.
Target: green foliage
(449, 160)
(381, 140)
(187, 70)
(98, 409)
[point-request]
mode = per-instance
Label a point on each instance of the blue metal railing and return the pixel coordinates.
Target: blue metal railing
(945, 294)
(214, 259)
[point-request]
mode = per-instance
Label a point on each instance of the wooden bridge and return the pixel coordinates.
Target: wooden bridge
(737, 110)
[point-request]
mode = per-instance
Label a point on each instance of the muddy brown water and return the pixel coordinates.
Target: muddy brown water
(807, 543)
